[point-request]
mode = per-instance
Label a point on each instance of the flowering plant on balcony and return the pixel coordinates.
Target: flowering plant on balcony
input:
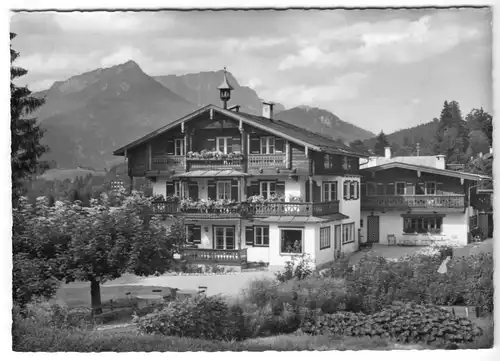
(206, 154)
(277, 197)
(434, 230)
(204, 204)
(162, 198)
(295, 199)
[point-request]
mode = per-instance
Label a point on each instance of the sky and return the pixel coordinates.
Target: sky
(378, 69)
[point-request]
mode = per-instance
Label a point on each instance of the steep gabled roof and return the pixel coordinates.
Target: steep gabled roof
(444, 172)
(314, 141)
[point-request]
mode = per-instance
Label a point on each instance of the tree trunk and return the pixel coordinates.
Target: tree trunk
(95, 297)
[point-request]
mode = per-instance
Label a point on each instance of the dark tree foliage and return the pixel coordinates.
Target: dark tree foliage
(26, 134)
(481, 120)
(451, 138)
(380, 144)
(359, 145)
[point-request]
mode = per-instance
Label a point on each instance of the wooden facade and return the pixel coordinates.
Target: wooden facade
(260, 152)
(402, 189)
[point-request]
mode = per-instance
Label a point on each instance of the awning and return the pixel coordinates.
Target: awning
(210, 174)
(305, 219)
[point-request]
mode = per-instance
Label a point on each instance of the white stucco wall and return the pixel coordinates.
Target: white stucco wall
(160, 187)
(309, 243)
(454, 228)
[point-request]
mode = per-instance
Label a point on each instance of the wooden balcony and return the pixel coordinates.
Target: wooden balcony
(249, 209)
(292, 209)
(169, 163)
(219, 256)
(215, 164)
(256, 161)
(174, 208)
(413, 202)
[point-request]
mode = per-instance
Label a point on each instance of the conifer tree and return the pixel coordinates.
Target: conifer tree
(26, 134)
(381, 143)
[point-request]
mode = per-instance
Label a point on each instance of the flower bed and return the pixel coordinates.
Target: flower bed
(208, 155)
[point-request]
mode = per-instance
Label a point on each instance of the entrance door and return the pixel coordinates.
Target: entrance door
(338, 241)
(373, 229)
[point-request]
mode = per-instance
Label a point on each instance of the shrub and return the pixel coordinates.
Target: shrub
(260, 291)
(406, 323)
(299, 267)
(54, 315)
(201, 317)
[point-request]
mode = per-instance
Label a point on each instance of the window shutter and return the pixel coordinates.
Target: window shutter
(346, 190)
(357, 190)
(236, 144)
(193, 191)
(170, 147)
(249, 236)
(351, 190)
(211, 144)
(170, 189)
(316, 192)
(279, 144)
(439, 188)
(391, 189)
(280, 187)
(308, 196)
(234, 190)
(196, 234)
(410, 188)
(254, 145)
(212, 190)
(363, 189)
(253, 189)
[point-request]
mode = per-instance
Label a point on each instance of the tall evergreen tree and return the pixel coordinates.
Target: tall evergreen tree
(451, 137)
(381, 143)
(26, 134)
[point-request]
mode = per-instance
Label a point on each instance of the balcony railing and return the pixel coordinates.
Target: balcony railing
(267, 161)
(414, 201)
(215, 164)
(168, 162)
(244, 209)
(292, 209)
(174, 208)
(220, 256)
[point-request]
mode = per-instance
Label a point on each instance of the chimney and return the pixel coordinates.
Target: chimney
(387, 152)
(440, 161)
(267, 110)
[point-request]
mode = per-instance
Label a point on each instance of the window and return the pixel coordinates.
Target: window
(267, 189)
(430, 188)
(193, 234)
(348, 234)
(329, 191)
(180, 189)
(224, 144)
(380, 189)
(267, 145)
(224, 237)
(179, 147)
(328, 161)
(371, 189)
(324, 238)
(400, 188)
(224, 190)
(261, 236)
(291, 241)
(422, 224)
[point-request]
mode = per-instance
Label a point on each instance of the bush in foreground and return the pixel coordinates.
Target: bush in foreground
(406, 323)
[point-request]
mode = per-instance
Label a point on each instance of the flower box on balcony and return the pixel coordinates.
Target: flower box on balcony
(213, 155)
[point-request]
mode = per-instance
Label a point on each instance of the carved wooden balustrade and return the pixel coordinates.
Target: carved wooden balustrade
(220, 256)
(168, 162)
(215, 164)
(174, 208)
(267, 161)
(413, 201)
